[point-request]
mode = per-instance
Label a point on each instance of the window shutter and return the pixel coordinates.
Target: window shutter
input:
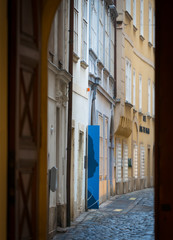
(126, 80)
(154, 29)
(128, 6)
(142, 161)
(130, 83)
(134, 12)
(135, 161)
(134, 87)
(141, 17)
(153, 99)
(125, 162)
(150, 24)
(118, 162)
(149, 97)
(140, 92)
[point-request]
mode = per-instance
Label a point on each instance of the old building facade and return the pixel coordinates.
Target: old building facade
(101, 82)
(58, 80)
(79, 107)
(135, 111)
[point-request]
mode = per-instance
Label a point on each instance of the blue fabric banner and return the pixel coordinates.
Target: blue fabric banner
(93, 167)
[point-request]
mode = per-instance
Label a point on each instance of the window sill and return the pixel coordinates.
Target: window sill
(106, 71)
(142, 37)
(100, 64)
(135, 28)
(148, 115)
(117, 100)
(140, 112)
(128, 104)
(150, 44)
(75, 57)
(83, 64)
(134, 109)
(129, 16)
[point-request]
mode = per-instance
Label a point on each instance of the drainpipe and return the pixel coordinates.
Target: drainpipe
(70, 112)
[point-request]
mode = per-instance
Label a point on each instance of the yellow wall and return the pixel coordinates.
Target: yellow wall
(141, 56)
(3, 117)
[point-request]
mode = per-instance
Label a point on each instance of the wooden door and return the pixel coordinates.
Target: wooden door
(23, 118)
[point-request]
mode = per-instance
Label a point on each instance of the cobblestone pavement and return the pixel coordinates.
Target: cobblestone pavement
(129, 216)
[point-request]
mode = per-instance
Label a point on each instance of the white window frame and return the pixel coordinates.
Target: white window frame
(140, 92)
(128, 80)
(135, 160)
(134, 13)
(134, 87)
(153, 28)
(105, 147)
(153, 100)
(118, 161)
(128, 6)
(94, 25)
(107, 19)
(101, 29)
(112, 45)
(75, 37)
(84, 30)
(149, 96)
(125, 162)
(142, 17)
(101, 145)
(142, 161)
(150, 24)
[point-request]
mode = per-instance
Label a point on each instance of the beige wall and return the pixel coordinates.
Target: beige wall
(3, 117)
(141, 56)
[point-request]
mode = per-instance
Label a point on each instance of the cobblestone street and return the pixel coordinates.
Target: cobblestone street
(129, 216)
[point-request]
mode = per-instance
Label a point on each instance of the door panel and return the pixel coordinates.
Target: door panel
(24, 118)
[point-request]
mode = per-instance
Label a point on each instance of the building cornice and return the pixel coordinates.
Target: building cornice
(106, 94)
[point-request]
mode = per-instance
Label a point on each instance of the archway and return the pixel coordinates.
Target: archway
(28, 31)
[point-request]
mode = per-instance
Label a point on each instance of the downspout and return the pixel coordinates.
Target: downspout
(69, 130)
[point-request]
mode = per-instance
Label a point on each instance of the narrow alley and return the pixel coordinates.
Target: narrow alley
(129, 216)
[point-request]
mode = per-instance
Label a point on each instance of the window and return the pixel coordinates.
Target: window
(128, 81)
(142, 161)
(112, 50)
(105, 81)
(125, 162)
(150, 24)
(101, 14)
(106, 148)
(135, 161)
(76, 26)
(100, 123)
(153, 99)
(84, 32)
(128, 6)
(149, 97)
(94, 25)
(134, 12)
(118, 161)
(134, 87)
(106, 40)
(142, 18)
(140, 93)
(153, 29)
